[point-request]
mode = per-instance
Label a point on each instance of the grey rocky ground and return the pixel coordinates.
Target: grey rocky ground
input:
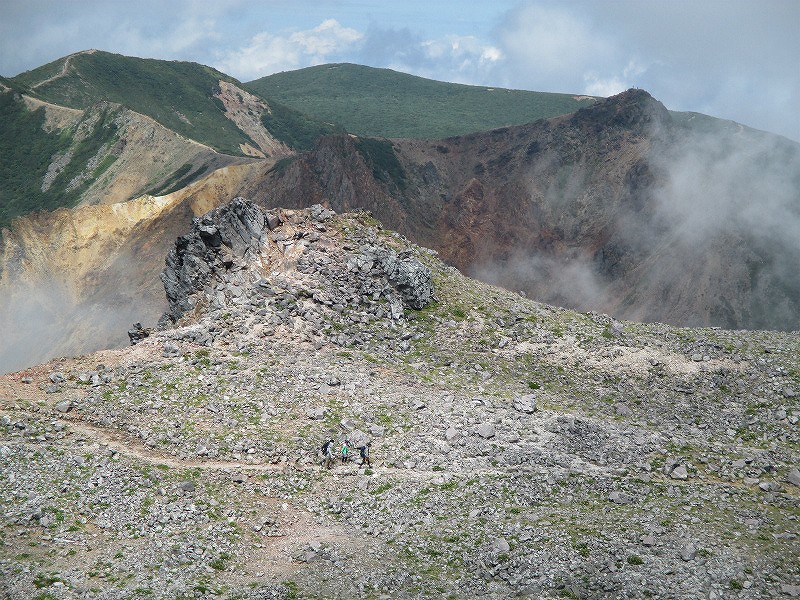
(518, 450)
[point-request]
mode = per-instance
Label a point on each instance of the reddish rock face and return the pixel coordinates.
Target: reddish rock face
(622, 208)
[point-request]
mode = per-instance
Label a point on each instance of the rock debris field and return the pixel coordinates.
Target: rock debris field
(518, 450)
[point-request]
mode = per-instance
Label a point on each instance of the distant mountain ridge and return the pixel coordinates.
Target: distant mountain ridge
(384, 103)
(193, 119)
(179, 95)
(46, 164)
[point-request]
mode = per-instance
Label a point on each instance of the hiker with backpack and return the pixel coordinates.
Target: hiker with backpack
(327, 453)
(364, 451)
(345, 450)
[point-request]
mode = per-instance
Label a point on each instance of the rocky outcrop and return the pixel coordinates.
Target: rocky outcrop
(232, 253)
(72, 281)
(137, 333)
(411, 278)
(220, 240)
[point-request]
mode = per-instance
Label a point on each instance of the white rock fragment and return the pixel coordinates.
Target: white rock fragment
(485, 430)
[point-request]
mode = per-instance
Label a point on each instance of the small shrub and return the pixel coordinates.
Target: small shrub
(583, 549)
(292, 590)
(382, 488)
(41, 580)
(220, 563)
(379, 156)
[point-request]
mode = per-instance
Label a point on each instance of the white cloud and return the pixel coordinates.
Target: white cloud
(175, 30)
(449, 58)
(329, 37)
(180, 40)
(454, 48)
(551, 44)
(614, 84)
(603, 87)
(733, 59)
(266, 53)
(491, 54)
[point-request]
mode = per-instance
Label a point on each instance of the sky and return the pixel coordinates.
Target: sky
(732, 59)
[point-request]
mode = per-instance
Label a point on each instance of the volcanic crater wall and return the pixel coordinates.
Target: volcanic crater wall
(622, 208)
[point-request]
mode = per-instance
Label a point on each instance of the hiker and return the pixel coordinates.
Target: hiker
(345, 450)
(364, 451)
(327, 453)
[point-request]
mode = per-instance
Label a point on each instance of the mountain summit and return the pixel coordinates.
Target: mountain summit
(185, 97)
(385, 103)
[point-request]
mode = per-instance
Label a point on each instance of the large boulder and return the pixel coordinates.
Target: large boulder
(412, 279)
(219, 239)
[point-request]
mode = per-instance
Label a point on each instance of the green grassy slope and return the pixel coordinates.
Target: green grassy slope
(179, 95)
(295, 129)
(26, 151)
(384, 103)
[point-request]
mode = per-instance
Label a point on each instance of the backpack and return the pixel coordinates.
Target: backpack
(363, 451)
(325, 447)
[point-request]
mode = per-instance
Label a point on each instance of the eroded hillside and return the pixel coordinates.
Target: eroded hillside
(73, 281)
(517, 449)
(178, 95)
(619, 208)
(98, 127)
(54, 156)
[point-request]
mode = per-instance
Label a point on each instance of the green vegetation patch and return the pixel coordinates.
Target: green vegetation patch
(179, 95)
(380, 157)
(182, 177)
(295, 129)
(384, 103)
(27, 151)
